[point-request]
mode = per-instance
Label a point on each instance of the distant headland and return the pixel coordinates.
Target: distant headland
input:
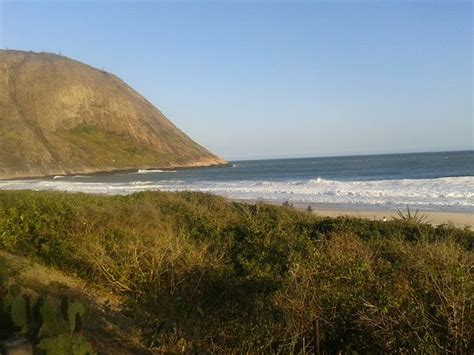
(60, 116)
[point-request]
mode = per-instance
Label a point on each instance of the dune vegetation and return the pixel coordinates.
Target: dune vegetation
(190, 272)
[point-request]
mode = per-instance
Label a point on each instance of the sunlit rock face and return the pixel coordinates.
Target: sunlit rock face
(60, 116)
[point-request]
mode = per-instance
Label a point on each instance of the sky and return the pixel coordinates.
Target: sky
(276, 79)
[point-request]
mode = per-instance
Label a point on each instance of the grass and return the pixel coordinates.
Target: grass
(102, 148)
(198, 273)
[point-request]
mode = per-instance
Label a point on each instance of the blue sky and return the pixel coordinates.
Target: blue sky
(273, 79)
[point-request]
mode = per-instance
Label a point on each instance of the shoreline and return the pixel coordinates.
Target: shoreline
(461, 219)
(458, 219)
(117, 171)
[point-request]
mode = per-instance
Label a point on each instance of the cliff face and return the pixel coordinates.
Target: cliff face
(59, 116)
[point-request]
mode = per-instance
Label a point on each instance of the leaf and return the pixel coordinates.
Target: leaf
(75, 314)
(52, 324)
(19, 312)
(200, 311)
(59, 345)
(80, 346)
(65, 344)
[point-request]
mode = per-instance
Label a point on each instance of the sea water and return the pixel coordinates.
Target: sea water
(427, 181)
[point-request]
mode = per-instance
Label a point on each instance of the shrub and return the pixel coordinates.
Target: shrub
(206, 275)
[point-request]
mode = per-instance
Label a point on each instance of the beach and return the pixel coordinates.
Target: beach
(459, 219)
(439, 185)
(456, 218)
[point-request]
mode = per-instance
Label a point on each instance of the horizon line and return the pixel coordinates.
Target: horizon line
(356, 155)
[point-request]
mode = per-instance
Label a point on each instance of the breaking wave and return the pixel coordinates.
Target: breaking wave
(441, 192)
(145, 171)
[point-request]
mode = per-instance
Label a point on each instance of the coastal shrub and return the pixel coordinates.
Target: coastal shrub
(390, 297)
(411, 232)
(204, 274)
(36, 226)
(51, 328)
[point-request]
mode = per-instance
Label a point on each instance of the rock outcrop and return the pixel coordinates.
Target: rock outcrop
(60, 116)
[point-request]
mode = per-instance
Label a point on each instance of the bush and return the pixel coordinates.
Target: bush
(207, 275)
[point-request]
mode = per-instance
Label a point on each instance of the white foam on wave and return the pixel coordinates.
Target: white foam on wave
(449, 191)
(148, 171)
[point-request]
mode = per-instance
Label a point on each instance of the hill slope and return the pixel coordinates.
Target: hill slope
(60, 116)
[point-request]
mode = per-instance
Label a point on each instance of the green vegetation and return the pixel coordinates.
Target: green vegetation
(101, 148)
(201, 274)
(51, 328)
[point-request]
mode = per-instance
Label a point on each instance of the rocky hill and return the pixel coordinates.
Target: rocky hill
(60, 116)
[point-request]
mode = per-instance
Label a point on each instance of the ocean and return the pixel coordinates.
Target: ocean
(426, 181)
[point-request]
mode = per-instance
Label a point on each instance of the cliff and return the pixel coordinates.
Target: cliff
(60, 116)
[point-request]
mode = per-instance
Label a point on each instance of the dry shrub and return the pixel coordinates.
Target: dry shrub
(162, 276)
(422, 299)
(324, 290)
(206, 275)
(385, 297)
(443, 285)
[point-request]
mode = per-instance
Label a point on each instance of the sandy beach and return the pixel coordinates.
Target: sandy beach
(435, 218)
(459, 219)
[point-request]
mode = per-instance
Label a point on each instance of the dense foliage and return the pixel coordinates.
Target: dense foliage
(49, 327)
(205, 274)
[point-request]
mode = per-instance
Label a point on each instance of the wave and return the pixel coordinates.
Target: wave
(318, 181)
(449, 191)
(148, 171)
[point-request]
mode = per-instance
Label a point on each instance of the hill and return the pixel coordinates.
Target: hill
(60, 116)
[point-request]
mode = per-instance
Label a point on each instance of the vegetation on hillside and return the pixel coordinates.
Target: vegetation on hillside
(202, 274)
(59, 116)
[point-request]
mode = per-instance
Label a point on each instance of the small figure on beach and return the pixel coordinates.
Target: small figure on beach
(384, 219)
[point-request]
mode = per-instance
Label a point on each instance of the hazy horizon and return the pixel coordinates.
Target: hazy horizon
(352, 155)
(269, 80)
